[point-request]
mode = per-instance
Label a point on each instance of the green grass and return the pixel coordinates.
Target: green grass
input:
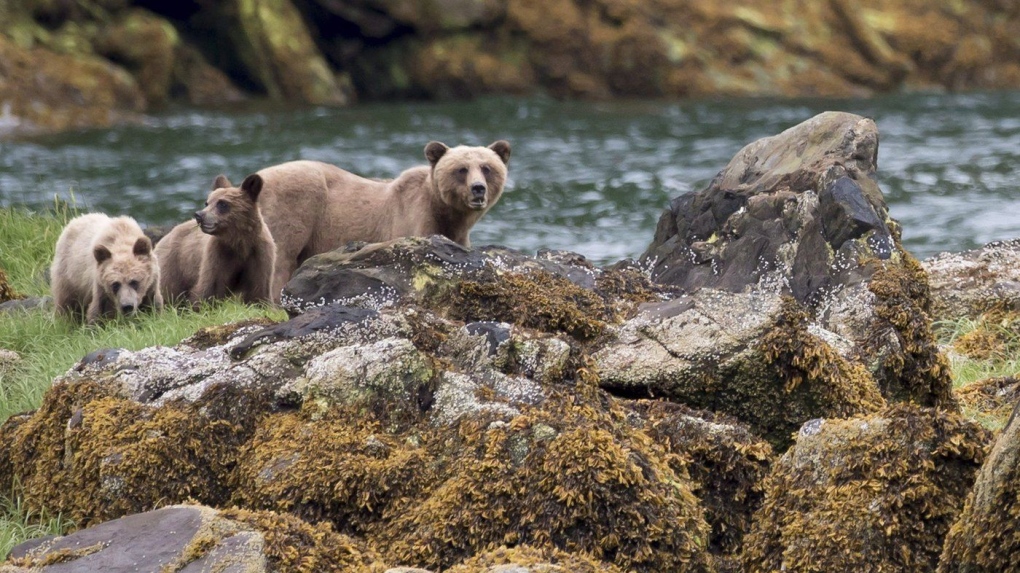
(26, 246)
(19, 524)
(1003, 360)
(49, 346)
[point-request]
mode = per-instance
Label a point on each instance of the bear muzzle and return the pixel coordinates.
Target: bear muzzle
(208, 227)
(477, 196)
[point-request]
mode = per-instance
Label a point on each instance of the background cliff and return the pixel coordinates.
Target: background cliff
(75, 63)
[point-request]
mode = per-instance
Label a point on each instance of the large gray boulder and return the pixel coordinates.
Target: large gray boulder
(800, 214)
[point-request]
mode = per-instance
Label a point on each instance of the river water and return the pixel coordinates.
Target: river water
(587, 177)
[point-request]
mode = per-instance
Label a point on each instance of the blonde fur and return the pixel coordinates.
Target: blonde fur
(103, 267)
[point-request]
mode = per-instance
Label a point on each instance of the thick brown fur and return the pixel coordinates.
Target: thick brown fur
(228, 251)
(103, 267)
(312, 207)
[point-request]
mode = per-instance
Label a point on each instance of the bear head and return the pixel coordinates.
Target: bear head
(231, 211)
(126, 273)
(468, 178)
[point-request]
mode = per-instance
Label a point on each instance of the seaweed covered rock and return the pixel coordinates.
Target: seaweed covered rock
(526, 559)
(866, 494)
(726, 461)
(986, 537)
(801, 214)
(553, 291)
(967, 284)
(990, 401)
(757, 357)
(93, 456)
(430, 438)
(196, 538)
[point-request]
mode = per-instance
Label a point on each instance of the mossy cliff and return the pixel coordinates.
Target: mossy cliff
(328, 52)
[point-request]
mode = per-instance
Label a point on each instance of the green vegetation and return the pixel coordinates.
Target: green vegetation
(48, 346)
(18, 524)
(984, 356)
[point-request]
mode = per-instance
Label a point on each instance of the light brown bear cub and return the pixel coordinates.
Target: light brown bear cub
(312, 207)
(230, 250)
(103, 267)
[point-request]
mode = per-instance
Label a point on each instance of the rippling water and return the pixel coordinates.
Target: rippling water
(591, 178)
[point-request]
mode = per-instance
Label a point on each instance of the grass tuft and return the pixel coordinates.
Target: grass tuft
(19, 524)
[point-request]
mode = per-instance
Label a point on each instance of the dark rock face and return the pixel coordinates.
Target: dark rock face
(800, 209)
(800, 214)
(867, 494)
(985, 537)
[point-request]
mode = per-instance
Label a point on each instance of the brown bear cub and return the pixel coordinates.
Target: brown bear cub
(229, 251)
(103, 267)
(312, 207)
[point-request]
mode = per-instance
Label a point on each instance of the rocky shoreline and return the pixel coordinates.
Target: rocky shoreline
(761, 391)
(95, 63)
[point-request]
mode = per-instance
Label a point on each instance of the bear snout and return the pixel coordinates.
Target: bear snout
(127, 308)
(478, 190)
(199, 217)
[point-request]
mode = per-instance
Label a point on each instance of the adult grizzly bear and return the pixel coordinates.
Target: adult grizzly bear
(230, 250)
(103, 267)
(312, 207)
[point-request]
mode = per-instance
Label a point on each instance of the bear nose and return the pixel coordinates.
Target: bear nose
(198, 217)
(478, 189)
(127, 308)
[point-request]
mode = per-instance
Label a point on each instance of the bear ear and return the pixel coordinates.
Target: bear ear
(435, 151)
(102, 254)
(143, 246)
(221, 182)
(252, 185)
(502, 149)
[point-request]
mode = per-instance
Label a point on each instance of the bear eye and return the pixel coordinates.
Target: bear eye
(115, 287)
(462, 170)
(485, 170)
(222, 206)
(133, 285)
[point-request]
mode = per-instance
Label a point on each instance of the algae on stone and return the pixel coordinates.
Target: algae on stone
(875, 493)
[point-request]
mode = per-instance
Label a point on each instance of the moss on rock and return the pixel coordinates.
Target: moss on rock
(331, 466)
(294, 546)
(532, 560)
(986, 537)
(570, 474)
(918, 372)
(726, 461)
(866, 494)
(539, 300)
(93, 456)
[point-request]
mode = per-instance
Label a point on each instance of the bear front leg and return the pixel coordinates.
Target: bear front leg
(260, 278)
(95, 310)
